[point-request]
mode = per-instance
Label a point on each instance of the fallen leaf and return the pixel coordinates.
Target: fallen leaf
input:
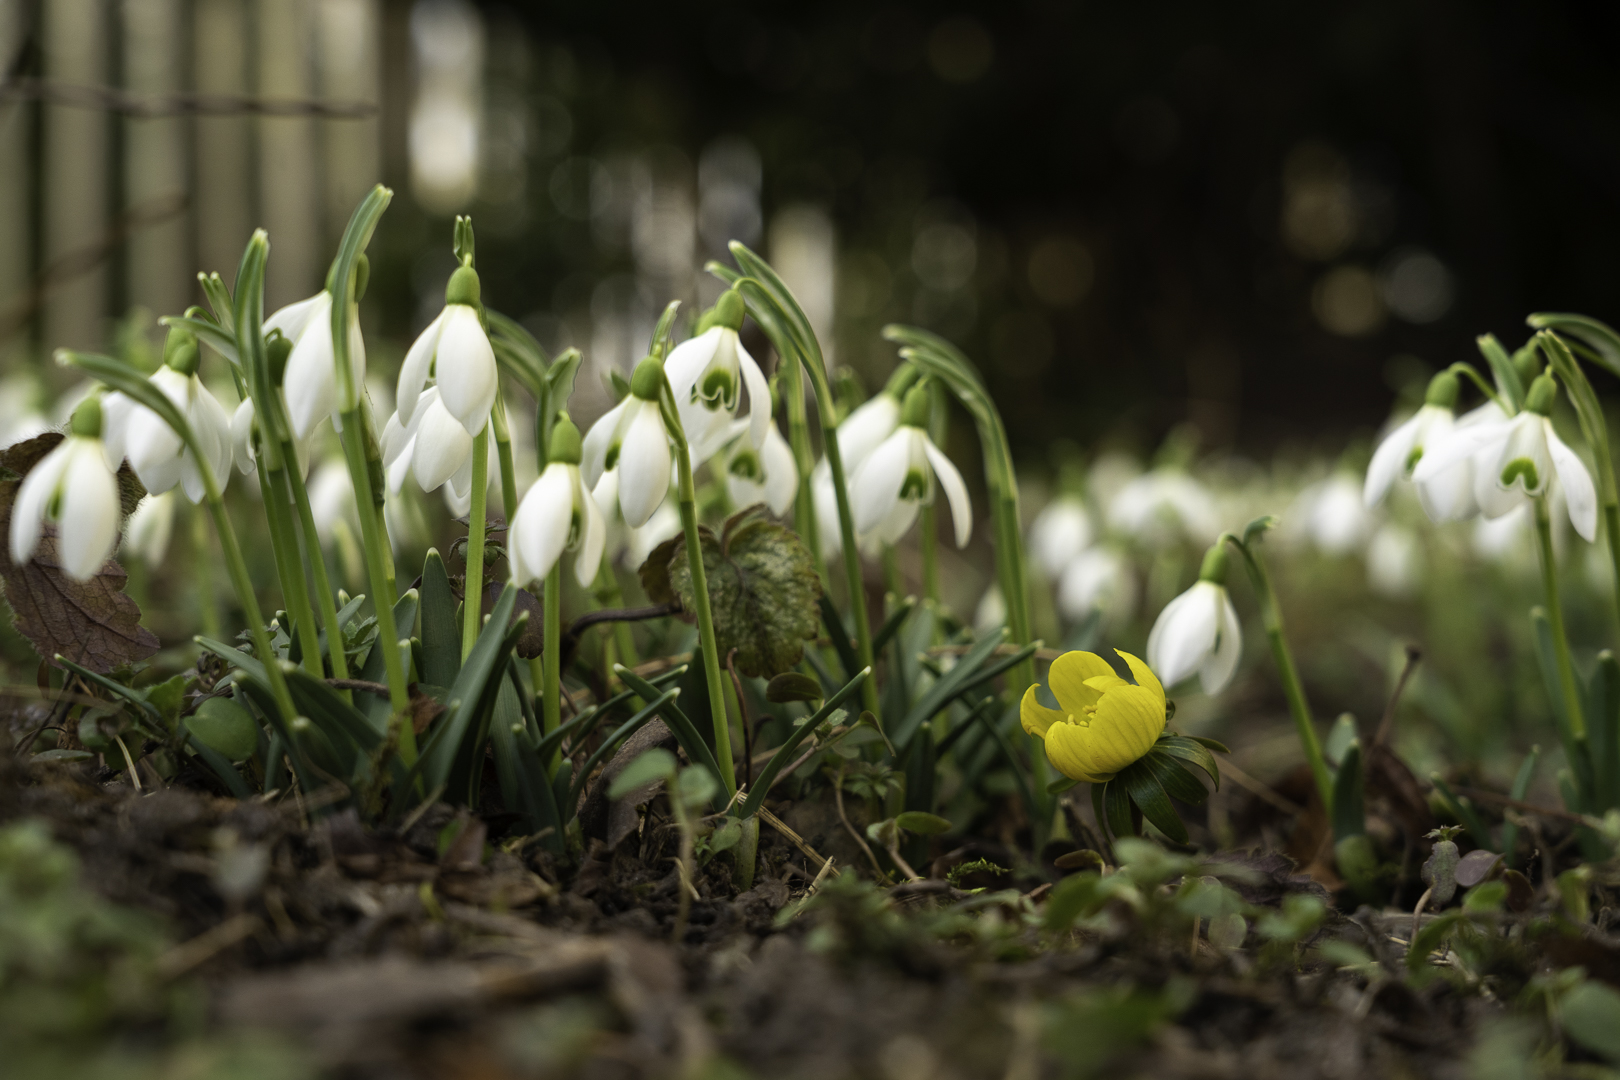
(91, 623)
(764, 591)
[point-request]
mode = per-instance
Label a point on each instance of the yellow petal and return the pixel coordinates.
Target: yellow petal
(1129, 720)
(1143, 674)
(1068, 676)
(1104, 683)
(1070, 748)
(1036, 717)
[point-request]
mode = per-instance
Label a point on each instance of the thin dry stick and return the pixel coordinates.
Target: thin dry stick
(792, 837)
(134, 777)
(838, 797)
(1413, 655)
(1529, 808)
(188, 954)
(1264, 791)
(900, 861)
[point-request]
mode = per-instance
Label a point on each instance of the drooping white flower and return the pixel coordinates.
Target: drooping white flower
(1394, 561)
(455, 351)
(631, 441)
(434, 446)
(76, 486)
(1198, 631)
(664, 524)
(155, 451)
(1162, 507)
(766, 474)
(1100, 580)
(1449, 495)
(310, 381)
(556, 515)
(1061, 531)
(1332, 514)
(897, 478)
(1518, 460)
(705, 374)
(150, 528)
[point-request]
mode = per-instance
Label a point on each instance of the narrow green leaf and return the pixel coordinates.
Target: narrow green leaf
(611, 744)
(1508, 383)
(1594, 333)
(330, 712)
(1178, 781)
(663, 335)
(779, 760)
(1149, 796)
(954, 682)
(135, 697)
(1190, 750)
(1118, 809)
(209, 333)
(1349, 813)
(441, 637)
(1520, 789)
(1464, 809)
(580, 728)
(471, 695)
(922, 823)
(839, 636)
(220, 766)
(891, 625)
(698, 752)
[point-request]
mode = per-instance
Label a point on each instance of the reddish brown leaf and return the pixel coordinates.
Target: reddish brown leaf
(91, 623)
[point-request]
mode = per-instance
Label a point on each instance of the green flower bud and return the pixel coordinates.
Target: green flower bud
(180, 351)
(1214, 568)
(1543, 391)
(276, 351)
(729, 310)
(1528, 365)
(463, 287)
(914, 413)
(86, 422)
(1442, 391)
(648, 379)
(566, 445)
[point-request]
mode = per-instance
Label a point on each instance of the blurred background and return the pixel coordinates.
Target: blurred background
(1255, 221)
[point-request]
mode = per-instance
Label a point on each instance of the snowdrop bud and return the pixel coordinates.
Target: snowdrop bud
(728, 311)
(565, 442)
(1442, 391)
(86, 421)
(463, 287)
(276, 350)
(647, 380)
(914, 412)
(180, 351)
(1528, 365)
(1214, 568)
(1543, 392)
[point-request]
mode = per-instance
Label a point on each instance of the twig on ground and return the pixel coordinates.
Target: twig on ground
(1413, 655)
(838, 798)
(1264, 791)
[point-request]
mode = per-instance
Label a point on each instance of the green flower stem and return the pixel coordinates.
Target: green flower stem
(379, 568)
(472, 593)
(551, 652)
(203, 571)
(503, 452)
(1271, 616)
(686, 493)
(1555, 619)
(317, 569)
(1611, 525)
(804, 504)
(290, 565)
(610, 595)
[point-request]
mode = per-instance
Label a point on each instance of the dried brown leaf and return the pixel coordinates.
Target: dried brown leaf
(91, 623)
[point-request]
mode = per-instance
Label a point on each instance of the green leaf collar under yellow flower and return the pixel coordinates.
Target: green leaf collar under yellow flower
(1102, 723)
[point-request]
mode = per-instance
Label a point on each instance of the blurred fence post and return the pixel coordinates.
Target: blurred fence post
(155, 158)
(76, 158)
(289, 186)
(16, 175)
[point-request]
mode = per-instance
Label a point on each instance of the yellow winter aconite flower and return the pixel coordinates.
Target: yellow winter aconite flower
(1102, 723)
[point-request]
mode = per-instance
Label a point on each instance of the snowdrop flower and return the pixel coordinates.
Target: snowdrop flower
(557, 515)
(150, 527)
(1198, 631)
(664, 524)
(1061, 531)
(456, 352)
(1096, 580)
(897, 478)
(155, 451)
(1333, 515)
(1393, 561)
(1162, 506)
(991, 613)
(764, 474)
(76, 486)
(1102, 723)
(433, 446)
(705, 373)
(631, 442)
(1519, 460)
(20, 419)
(1449, 494)
(1504, 539)
(310, 382)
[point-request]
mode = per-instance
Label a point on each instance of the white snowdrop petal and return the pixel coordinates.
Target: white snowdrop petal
(1218, 670)
(34, 495)
(540, 529)
(466, 374)
(1462, 443)
(87, 529)
(1389, 460)
(442, 447)
(956, 491)
(687, 362)
(759, 396)
(1579, 493)
(874, 489)
(865, 429)
(1185, 633)
(588, 559)
(294, 319)
(644, 462)
(781, 472)
(598, 440)
(413, 373)
(310, 383)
